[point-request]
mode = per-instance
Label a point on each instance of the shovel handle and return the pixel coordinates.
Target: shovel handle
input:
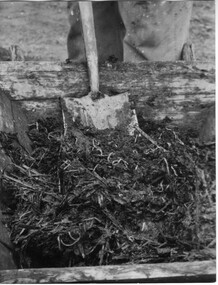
(86, 13)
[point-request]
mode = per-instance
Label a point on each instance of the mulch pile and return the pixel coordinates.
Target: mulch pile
(109, 198)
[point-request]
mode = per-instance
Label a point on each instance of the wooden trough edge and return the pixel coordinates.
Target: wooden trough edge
(178, 90)
(43, 80)
(197, 271)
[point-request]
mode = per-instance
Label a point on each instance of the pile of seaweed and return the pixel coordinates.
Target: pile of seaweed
(105, 197)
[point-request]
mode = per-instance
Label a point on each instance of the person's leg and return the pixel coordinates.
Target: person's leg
(75, 44)
(108, 28)
(155, 30)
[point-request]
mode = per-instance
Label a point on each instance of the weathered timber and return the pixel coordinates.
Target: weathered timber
(6, 117)
(40, 80)
(6, 259)
(198, 271)
(13, 120)
(178, 90)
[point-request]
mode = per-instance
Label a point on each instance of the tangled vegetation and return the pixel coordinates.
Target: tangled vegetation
(105, 197)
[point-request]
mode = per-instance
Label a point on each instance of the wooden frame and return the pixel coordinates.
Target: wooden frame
(180, 90)
(198, 271)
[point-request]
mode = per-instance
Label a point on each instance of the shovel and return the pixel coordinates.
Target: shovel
(96, 109)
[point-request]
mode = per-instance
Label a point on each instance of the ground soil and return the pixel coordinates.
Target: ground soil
(41, 29)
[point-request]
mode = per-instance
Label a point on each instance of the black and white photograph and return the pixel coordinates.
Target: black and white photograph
(107, 141)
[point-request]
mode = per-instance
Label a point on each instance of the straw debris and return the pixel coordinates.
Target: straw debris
(122, 200)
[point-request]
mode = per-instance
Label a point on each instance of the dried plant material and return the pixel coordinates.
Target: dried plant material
(124, 199)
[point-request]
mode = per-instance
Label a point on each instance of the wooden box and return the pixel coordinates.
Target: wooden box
(181, 91)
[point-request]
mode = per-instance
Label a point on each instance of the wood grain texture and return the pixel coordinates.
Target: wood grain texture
(164, 272)
(6, 259)
(40, 80)
(21, 126)
(178, 90)
(13, 120)
(6, 117)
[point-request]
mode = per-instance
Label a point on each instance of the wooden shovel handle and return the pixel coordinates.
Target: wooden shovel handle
(86, 12)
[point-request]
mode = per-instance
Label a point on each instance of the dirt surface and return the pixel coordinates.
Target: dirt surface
(41, 28)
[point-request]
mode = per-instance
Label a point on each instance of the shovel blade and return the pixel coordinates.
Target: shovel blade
(104, 113)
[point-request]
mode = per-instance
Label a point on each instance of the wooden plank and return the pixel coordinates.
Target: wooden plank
(40, 80)
(163, 272)
(21, 126)
(12, 120)
(178, 90)
(41, 109)
(26, 80)
(6, 259)
(4, 160)
(6, 116)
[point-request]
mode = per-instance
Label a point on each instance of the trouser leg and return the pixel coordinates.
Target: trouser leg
(75, 44)
(108, 28)
(155, 30)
